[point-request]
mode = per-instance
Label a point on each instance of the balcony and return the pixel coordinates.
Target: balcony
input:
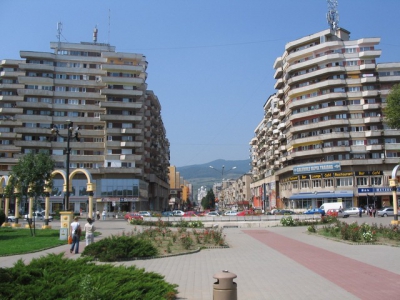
(121, 92)
(130, 118)
(135, 81)
(118, 104)
(373, 147)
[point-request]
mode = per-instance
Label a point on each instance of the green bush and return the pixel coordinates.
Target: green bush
(117, 248)
(288, 221)
(55, 277)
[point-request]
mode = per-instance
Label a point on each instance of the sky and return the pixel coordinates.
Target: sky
(210, 61)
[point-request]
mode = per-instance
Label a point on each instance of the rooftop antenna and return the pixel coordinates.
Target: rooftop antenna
(59, 30)
(95, 30)
(333, 15)
(109, 25)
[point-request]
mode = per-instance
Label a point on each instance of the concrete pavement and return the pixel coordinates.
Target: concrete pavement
(272, 263)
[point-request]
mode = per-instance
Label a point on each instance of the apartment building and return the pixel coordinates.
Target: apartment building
(121, 141)
(323, 137)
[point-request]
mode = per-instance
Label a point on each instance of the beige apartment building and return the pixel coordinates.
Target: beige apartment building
(122, 138)
(323, 137)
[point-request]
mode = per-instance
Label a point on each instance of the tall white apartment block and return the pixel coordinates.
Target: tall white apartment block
(323, 137)
(123, 141)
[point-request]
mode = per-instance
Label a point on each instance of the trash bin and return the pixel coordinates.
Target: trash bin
(225, 288)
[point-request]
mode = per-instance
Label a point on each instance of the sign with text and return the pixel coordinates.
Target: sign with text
(327, 167)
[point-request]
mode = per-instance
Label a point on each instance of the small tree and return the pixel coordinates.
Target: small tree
(32, 174)
(392, 109)
(209, 200)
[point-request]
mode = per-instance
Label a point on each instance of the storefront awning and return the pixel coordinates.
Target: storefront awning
(339, 194)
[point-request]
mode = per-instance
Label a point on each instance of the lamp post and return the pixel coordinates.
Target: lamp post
(222, 179)
(71, 134)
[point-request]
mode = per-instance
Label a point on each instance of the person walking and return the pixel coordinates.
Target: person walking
(75, 230)
(360, 212)
(104, 214)
(98, 215)
(374, 211)
(89, 231)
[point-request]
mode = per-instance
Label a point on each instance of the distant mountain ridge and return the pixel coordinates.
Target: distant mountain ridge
(203, 175)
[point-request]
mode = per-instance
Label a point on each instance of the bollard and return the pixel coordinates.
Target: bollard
(225, 288)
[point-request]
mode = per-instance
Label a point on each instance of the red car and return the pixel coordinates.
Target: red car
(189, 214)
(245, 213)
(131, 215)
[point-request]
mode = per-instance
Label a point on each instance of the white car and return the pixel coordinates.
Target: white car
(230, 213)
(385, 212)
(38, 216)
(178, 213)
(352, 211)
(145, 213)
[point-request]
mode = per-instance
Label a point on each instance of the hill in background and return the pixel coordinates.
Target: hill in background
(203, 175)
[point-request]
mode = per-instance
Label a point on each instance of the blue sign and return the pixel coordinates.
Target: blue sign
(328, 167)
(385, 189)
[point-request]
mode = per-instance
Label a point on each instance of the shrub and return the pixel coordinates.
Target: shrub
(288, 221)
(124, 247)
(55, 277)
(312, 228)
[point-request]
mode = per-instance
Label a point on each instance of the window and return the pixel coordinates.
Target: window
(376, 180)
(356, 116)
(373, 142)
(362, 181)
(358, 142)
(351, 63)
(59, 101)
(390, 141)
(350, 50)
(45, 100)
(355, 102)
(31, 99)
(328, 182)
(316, 183)
(73, 101)
(295, 185)
(346, 181)
(354, 88)
(74, 89)
(60, 89)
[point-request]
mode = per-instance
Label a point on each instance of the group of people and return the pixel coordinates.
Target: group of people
(75, 233)
(103, 214)
(369, 211)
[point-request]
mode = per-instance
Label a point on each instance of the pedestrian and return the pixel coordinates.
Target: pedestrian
(98, 215)
(104, 214)
(75, 231)
(89, 231)
(374, 211)
(370, 211)
(360, 211)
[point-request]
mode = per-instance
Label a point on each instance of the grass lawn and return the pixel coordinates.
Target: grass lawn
(20, 241)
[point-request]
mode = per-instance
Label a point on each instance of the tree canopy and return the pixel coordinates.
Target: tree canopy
(392, 109)
(32, 174)
(209, 200)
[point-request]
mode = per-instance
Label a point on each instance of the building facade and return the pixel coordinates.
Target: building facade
(323, 137)
(103, 93)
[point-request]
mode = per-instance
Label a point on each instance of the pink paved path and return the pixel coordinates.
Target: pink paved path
(360, 279)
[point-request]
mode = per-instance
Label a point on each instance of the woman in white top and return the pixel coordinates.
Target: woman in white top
(89, 229)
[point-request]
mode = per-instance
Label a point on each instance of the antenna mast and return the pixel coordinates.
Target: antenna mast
(109, 25)
(59, 30)
(333, 15)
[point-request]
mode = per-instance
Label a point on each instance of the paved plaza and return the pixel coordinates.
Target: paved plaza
(271, 263)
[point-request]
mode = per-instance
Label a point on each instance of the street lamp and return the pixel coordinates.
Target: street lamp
(222, 179)
(74, 135)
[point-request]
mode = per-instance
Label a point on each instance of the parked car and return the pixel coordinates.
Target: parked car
(167, 214)
(11, 218)
(133, 215)
(338, 213)
(213, 214)
(246, 212)
(144, 213)
(313, 211)
(36, 216)
(352, 211)
(189, 214)
(178, 213)
(385, 212)
(230, 213)
(285, 212)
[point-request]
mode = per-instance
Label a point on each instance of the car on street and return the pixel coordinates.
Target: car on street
(246, 212)
(11, 218)
(313, 211)
(213, 214)
(337, 213)
(285, 212)
(230, 213)
(352, 211)
(189, 214)
(144, 213)
(178, 213)
(386, 212)
(167, 214)
(38, 216)
(133, 215)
